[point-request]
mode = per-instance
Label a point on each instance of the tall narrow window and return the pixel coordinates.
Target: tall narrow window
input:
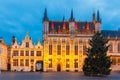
(118, 47)
(32, 53)
(76, 49)
(84, 49)
(67, 63)
(21, 62)
(22, 53)
(27, 62)
(76, 63)
(27, 44)
(50, 49)
(111, 48)
(15, 62)
(67, 49)
(50, 63)
(27, 53)
(114, 61)
(59, 49)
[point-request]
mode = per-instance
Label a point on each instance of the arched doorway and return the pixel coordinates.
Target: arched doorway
(58, 67)
(39, 65)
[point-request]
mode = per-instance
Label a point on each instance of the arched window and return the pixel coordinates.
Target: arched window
(50, 49)
(118, 47)
(67, 49)
(76, 49)
(110, 48)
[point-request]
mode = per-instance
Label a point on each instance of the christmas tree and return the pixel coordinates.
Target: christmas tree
(97, 63)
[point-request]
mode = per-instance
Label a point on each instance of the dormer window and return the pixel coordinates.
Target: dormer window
(27, 44)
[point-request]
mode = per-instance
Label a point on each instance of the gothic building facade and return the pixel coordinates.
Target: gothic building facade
(65, 41)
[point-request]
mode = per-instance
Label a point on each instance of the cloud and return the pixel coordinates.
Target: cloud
(18, 16)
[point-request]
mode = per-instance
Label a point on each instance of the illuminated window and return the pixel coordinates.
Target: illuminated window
(59, 49)
(32, 53)
(118, 61)
(67, 63)
(15, 53)
(67, 49)
(39, 53)
(21, 62)
(27, 53)
(63, 40)
(50, 63)
(27, 44)
(114, 61)
(118, 47)
(26, 62)
(76, 63)
(32, 60)
(15, 62)
(76, 49)
(21, 53)
(50, 49)
(110, 48)
(84, 49)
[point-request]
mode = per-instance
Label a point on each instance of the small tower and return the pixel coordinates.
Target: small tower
(63, 18)
(45, 17)
(13, 40)
(71, 17)
(45, 23)
(94, 17)
(71, 22)
(98, 23)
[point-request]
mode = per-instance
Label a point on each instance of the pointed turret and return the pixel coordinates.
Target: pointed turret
(45, 17)
(71, 17)
(63, 18)
(38, 40)
(98, 17)
(13, 40)
(94, 17)
(27, 36)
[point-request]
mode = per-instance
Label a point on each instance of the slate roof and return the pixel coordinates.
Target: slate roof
(81, 25)
(111, 33)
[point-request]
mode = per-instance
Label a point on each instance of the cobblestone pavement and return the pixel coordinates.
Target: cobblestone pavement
(54, 76)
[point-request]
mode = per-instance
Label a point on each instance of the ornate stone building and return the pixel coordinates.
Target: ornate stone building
(26, 56)
(3, 55)
(114, 49)
(65, 41)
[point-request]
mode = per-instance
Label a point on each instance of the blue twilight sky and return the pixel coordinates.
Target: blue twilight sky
(19, 16)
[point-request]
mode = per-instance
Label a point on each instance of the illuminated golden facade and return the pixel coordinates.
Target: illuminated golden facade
(26, 57)
(3, 55)
(64, 42)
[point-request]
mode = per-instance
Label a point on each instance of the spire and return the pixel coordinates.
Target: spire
(94, 16)
(45, 18)
(63, 18)
(98, 16)
(27, 36)
(38, 40)
(71, 17)
(13, 40)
